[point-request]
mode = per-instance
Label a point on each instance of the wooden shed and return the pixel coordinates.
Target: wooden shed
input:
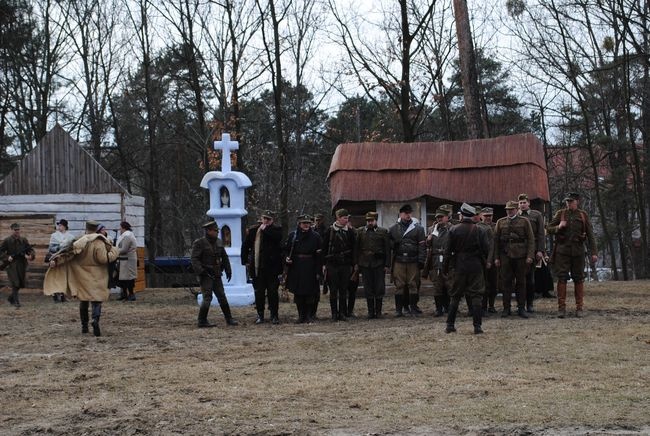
(486, 172)
(59, 179)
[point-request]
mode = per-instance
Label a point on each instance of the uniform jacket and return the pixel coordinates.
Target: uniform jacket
(372, 248)
(20, 250)
(468, 248)
(82, 270)
(209, 261)
(439, 234)
(571, 239)
(127, 246)
(339, 245)
(408, 242)
(513, 237)
(304, 249)
(270, 255)
(537, 223)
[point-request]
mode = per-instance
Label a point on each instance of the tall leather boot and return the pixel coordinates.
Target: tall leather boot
(225, 308)
(343, 305)
(469, 305)
(451, 317)
(97, 312)
(334, 308)
(413, 300)
(379, 302)
(352, 298)
(13, 298)
(561, 299)
(83, 316)
(477, 314)
(445, 303)
(371, 308)
(439, 306)
(203, 315)
(579, 291)
(399, 305)
(530, 298)
(302, 312)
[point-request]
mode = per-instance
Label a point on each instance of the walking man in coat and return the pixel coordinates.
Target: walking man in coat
(373, 259)
(512, 252)
(261, 252)
(571, 228)
(338, 252)
(82, 271)
(409, 254)
(209, 261)
(537, 223)
(15, 251)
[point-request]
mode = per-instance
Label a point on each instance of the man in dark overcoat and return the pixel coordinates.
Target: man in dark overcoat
(209, 261)
(15, 251)
(338, 254)
(261, 252)
(437, 238)
(373, 259)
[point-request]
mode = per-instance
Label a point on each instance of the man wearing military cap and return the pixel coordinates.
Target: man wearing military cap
(209, 261)
(319, 224)
(467, 249)
(512, 252)
(409, 255)
(261, 253)
(490, 272)
(339, 255)
(15, 251)
(571, 228)
(537, 223)
(437, 239)
(373, 259)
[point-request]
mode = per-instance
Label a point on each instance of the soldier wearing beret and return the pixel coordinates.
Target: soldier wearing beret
(438, 236)
(491, 272)
(537, 223)
(338, 252)
(209, 261)
(467, 249)
(261, 253)
(571, 228)
(15, 251)
(409, 255)
(373, 258)
(512, 252)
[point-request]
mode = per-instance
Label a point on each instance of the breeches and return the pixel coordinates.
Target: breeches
(217, 288)
(407, 276)
(566, 266)
(471, 285)
(338, 277)
(442, 283)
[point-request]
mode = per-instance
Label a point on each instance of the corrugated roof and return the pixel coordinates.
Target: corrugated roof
(486, 171)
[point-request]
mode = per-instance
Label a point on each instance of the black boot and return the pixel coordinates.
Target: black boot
(451, 317)
(521, 312)
(379, 302)
(260, 318)
(399, 305)
(13, 298)
(334, 309)
(445, 304)
(439, 306)
(83, 316)
(371, 308)
(314, 310)
(476, 315)
(413, 300)
(225, 308)
(203, 315)
(302, 312)
(97, 311)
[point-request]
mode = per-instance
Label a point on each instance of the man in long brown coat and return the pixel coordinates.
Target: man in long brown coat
(82, 271)
(15, 251)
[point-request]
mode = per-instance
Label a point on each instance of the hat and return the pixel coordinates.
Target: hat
(319, 216)
(62, 222)
(447, 208)
(478, 209)
(92, 226)
(100, 227)
(372, 216)
(572, 196)
(487, 211)
(15, 226)
(210, 224)
(341, 212)
(522, 197)
(441, 212)
(512, 205)
(467, 210)
(268, 214)
(304, 219)
(406, 209)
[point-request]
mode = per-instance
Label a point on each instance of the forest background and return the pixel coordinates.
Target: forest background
(147, 86)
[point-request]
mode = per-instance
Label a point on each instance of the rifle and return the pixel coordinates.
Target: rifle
(27, 250)
(285, 268)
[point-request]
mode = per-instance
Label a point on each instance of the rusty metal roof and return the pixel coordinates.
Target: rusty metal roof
(486, 171)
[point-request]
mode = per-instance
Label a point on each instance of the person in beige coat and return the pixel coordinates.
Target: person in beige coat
(82, 271)
(128, 261)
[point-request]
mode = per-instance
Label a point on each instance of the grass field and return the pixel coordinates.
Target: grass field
(154, 372)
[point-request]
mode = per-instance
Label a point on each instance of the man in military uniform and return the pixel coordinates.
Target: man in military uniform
(15, 251)
(571, 228)
(537, 223)
(490, 273)
(209, 260)
(373, 259)
(512, 252)
(467, 249)
(409, 254)
(437, 238)
(261, 252)
(338, 252)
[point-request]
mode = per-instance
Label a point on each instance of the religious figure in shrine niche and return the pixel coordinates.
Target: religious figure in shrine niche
(225, 197)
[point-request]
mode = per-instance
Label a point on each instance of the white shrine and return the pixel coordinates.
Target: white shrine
(227, 193)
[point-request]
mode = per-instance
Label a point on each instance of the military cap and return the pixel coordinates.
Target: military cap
(570, 196)
(372, 216)
(441, 212)
(319, 216)
(210, 224)
(447, 208)
(406, 208)
(522, 197)
(341, 212)
(478, 209)
(92, 226)
(304, 219)
(15, 226)
(268, 214)
(487, 211)
(512, 205)
(467, 210)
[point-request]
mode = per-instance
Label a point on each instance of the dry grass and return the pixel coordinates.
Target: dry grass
(153, 372)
